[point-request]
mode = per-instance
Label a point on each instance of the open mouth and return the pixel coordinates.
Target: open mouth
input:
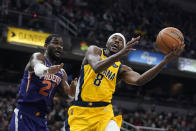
(58, 52)
(115, 46)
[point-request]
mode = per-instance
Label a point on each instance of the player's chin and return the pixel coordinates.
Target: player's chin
(58, 57)
(113, 50)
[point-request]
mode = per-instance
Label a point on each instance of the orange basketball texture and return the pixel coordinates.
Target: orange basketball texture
(168, 39)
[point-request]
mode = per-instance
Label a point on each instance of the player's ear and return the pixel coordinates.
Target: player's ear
(107, 44)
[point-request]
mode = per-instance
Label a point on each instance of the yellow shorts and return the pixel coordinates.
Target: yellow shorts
(90, 118)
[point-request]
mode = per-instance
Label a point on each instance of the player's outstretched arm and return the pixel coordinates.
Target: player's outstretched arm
(132, 77)
(98, 65)
(37, 65)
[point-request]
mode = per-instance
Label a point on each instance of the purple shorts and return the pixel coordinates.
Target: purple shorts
(24, 122)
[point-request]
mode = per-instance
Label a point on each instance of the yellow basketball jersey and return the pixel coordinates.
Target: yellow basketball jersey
(97, 87)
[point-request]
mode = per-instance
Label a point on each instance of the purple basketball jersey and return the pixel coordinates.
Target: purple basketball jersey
(39, 92)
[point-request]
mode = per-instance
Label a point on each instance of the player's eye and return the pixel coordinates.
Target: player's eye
(114, 38)
(57, 42)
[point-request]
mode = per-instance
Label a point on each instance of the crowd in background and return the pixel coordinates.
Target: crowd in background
(97, 19)
(131, 18)
(172, 121)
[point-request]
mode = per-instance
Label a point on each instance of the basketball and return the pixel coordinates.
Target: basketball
(168, 39)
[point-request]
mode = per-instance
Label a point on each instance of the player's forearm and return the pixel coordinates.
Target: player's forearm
(150, 74)
(106, 63)
(69, 89)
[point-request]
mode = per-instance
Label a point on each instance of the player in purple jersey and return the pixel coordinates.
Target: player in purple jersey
(42, 78)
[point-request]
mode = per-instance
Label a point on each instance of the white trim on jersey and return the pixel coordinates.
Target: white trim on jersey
(112, 126)
(16, 118)
(28, 83)
(77, 90)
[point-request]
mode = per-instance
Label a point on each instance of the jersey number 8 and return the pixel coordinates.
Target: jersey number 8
(98, 79)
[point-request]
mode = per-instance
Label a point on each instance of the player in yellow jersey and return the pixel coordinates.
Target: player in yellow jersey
(100, 70)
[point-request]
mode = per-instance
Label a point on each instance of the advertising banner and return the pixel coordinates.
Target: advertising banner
(145, 57)
(26, 37)
(185, 64)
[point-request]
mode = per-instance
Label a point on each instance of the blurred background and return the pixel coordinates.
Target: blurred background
(168, 101)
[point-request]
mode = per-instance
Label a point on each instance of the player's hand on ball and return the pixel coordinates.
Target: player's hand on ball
(179, 49)
(175, 52)
(55, 68)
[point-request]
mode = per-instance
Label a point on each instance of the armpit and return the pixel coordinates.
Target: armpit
(123, 70)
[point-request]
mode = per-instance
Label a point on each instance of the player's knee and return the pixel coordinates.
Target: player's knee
(112, 126)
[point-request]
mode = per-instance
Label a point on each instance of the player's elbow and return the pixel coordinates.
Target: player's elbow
(136, 82)
(139, 83)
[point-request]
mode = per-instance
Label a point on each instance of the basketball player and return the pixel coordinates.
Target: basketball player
(100, 70)
(42, 77)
